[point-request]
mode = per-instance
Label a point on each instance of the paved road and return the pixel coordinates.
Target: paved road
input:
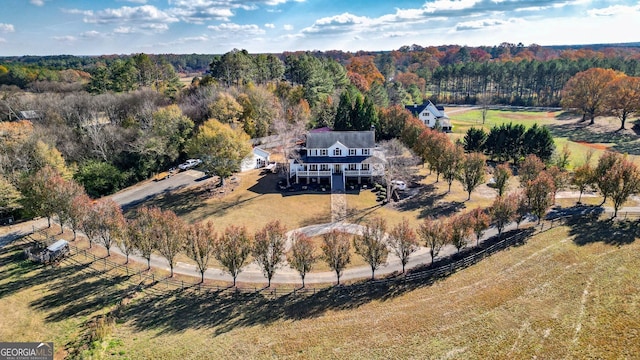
(133, 195)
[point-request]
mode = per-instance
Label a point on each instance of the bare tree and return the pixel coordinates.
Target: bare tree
(403, 241)
(232, 249)
(435, 234)
(289, 126)
(335, 249)
(126, 242)
(371, 245)
(302, 256)
(268, 248)
(398, 164)
(201, 239)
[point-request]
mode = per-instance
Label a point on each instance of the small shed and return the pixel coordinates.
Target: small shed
(258, 159)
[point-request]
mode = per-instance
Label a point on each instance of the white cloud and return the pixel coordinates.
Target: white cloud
(288, 27)
(136, 1)
(614, 10)
(342, 23)
(3, 40)
(145, 14)
(445, 5)
(124, 30)
(37, 2)
(236, 29)
(269, 26)
(67, 38)
(479, 24)
(91, 34)
(6, 28)
(78, 12)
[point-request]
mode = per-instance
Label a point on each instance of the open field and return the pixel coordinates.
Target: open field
(565, 128)
(571, 292)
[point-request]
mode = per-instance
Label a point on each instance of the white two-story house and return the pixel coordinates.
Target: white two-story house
(336, 158)
(431, 115)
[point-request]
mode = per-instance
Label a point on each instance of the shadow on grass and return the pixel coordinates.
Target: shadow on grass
(581, 132)
(429, 203)
(224, 311)
(592, 228)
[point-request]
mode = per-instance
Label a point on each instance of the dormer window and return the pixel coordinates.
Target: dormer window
(365, 151)
(352, 152)
(337, 152)
(323, 152)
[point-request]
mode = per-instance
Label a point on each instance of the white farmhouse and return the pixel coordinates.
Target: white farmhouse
(431, 115)
(337, 157)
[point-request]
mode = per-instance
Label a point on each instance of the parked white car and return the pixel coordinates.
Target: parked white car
(189, 164)
(399, 184)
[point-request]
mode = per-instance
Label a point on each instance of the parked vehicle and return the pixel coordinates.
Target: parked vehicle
(191, 163)
(399, 185)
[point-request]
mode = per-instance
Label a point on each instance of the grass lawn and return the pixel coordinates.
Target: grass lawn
(321, 265)
(571, 292)
(565, 128)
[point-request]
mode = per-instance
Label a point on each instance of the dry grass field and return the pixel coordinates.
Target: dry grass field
(571, 292)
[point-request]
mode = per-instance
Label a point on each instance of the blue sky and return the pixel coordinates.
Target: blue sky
(95, 27)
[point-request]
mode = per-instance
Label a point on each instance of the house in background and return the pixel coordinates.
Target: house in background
(431, 115)
(337, 157)
(258, 159)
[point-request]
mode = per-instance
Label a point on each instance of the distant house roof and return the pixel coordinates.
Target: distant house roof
(437, 111)
(28, 115)
(260, 152)
(322, 129)
(350, 139)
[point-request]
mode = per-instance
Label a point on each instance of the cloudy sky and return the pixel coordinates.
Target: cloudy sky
(94, 27)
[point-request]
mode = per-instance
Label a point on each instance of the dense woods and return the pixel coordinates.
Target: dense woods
(110, 121)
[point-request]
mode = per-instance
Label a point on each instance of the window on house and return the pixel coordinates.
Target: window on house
(352, 152)
(323, 152)
(313, 167)
(353, 167)
(324, 167)
(337, 152)
(365, 151)
(364, 166)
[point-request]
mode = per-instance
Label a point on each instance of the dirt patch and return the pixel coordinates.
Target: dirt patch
(594, 146)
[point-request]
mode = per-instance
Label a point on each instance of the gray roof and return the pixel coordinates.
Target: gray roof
(435, 110)
(350, 139)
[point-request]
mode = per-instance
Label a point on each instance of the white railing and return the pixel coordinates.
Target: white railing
(313, 173)
(357, 173)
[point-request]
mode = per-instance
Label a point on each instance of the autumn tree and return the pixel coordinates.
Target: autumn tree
(451, 164)
(371, 245)
(560, 179)
(269, 248)
(168, 232)
(472, 171)
(110, 222)
(623, 178)
(336, 251)
(529, 169)
(64, 193)
(126, 242)
(479, 221)
(9, 196)
(220, 147)
(39, 194)
(586, 91)
(141, 232)
(622, 97)
(583, 177)
(601, 174)
(501, 176)
(403, 242)
(78, 211)
(232, 249)
(539, 193)
(302, 255)
(435, 234)
(503, 211)
(521, 204)
(460, 228)
(201, 240)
